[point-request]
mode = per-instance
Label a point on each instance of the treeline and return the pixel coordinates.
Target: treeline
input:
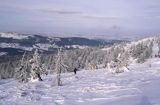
(120, 54)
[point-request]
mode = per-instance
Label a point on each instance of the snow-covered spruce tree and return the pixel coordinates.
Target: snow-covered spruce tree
(146, 54)
(117, 58)
(70, 59)
(59, 67)
(122, 63)
(36, 67)
(141, 51)
(23, 70)
(95, 58)
(112, 67)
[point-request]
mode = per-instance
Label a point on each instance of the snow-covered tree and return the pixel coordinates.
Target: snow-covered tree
(122, 62)
(59, 67)
(36, 67)
(117, 59)
(142, 51)
(22, 71)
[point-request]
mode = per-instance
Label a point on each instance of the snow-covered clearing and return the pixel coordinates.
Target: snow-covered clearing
(140, 86)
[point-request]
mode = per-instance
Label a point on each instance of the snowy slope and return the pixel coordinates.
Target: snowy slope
(140, 86)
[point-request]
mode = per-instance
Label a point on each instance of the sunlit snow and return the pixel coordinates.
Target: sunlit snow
(140, 86)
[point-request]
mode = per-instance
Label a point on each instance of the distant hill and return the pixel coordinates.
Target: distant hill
(16, 44)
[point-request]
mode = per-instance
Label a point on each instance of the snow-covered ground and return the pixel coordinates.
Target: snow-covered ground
(140, 86)
(12, 35)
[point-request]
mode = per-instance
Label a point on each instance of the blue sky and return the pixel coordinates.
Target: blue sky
(81, 17)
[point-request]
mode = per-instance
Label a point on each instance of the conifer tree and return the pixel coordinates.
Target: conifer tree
(60, 67)
(36, 67)
(22, 71)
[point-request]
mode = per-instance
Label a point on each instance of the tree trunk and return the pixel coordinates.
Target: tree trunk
(39, 77)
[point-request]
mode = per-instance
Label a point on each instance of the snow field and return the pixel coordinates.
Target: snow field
(139, 86)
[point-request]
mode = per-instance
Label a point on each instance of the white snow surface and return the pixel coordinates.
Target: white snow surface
(12, 35)
(15, 45)
(3, 53)
(139, 86)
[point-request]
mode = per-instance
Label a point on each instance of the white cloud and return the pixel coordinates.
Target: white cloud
(60, 11)
(100, 17)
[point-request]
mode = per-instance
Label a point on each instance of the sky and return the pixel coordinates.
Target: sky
(99, 18)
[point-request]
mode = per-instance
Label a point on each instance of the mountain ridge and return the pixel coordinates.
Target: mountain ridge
(46, 44)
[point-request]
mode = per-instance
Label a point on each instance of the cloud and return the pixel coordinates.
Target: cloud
(60, 11)
(100, 17)
(116, 27)
(154, 6)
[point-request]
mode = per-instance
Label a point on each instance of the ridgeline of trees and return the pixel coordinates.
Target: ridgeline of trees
(116, 58)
